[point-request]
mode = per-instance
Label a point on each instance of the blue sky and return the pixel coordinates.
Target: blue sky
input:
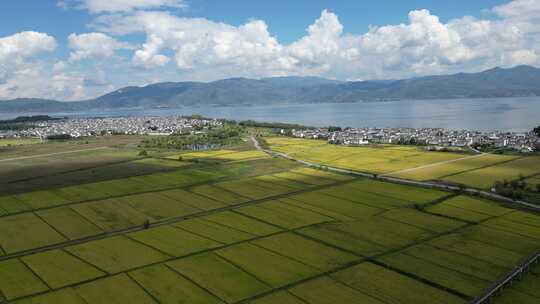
(286, 19)
(76, 49)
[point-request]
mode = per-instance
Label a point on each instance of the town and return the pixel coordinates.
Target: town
(437, 138)
(85, 127)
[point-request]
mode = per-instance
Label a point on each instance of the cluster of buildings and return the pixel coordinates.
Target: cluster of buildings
(524, 142)
(81, 127)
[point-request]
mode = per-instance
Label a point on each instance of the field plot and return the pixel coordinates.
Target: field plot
(214, 231)
(26, 231)
(486, 177)
(458, 282)
(59, 269)
(532, 232)
(523, 217)
(17, 280)
(173, 241)
(410, 194)
(321, 174)
(271, 268)
(345, 208)
(41, 199)
(438, 171)
(353, 194)
(193, 200)
(167, 286)
(468, 209)
(254, 189)
(327, 291)
(281, 182)
(116, 254)
(69, 223)
(112, 214)
(312, 253)
(508, 240)
(221, 195)
(220, 277)
(368, 237)
(11, 205)
(461, 244)
(435, 224)
(118, 289)
(392, 287)
(284, 215)
(220, 155)
(242, 223)
(63, 296)
(158, 205)
(456, 261)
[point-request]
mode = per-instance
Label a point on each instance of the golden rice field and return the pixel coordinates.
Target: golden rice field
(377, 159)
(479, 171)
(258, 230)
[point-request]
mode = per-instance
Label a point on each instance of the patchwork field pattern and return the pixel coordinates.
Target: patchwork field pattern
(258, 231)
(478, 171)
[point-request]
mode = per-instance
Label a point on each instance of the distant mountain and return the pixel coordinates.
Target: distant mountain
(498, 82)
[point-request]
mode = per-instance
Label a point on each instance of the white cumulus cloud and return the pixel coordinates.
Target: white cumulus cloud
(18, 47)
(423, 45)
(198, 42)
(180, 48)
(93, 45)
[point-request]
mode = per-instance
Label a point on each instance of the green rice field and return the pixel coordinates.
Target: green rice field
(248, 228)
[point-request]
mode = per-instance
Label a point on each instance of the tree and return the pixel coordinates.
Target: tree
(143, 153)
(334, 129)
(537, 131)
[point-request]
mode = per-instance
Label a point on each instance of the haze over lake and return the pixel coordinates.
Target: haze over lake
(512, 114)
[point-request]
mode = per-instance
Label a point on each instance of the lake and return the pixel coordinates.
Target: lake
(512, 114)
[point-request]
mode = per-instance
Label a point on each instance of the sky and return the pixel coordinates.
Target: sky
(79, 49)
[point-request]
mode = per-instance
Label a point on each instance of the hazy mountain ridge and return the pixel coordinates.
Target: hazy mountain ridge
(513, 82)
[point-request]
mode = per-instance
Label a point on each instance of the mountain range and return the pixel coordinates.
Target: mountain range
(519, 81)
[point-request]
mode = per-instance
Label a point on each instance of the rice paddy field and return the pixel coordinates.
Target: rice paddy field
(378, 159)
(478, 171)
(250, 228)
(5, 142)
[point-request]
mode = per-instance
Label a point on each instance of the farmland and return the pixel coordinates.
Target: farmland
(4, 142)
(238, 226)
(378, 159)
(480, 171)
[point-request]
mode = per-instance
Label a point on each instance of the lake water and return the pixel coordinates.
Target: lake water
(512, 114)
